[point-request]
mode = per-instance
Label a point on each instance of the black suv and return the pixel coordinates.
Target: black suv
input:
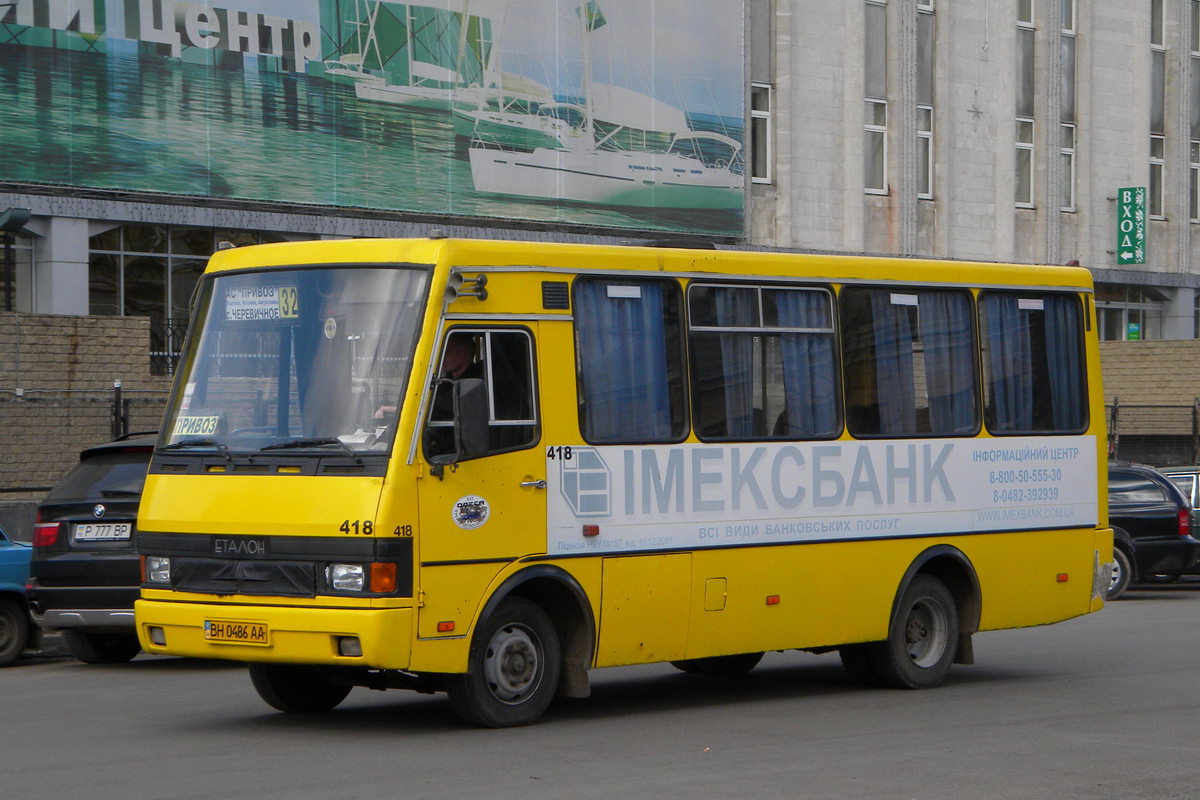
(85, 573)
(1152, 527)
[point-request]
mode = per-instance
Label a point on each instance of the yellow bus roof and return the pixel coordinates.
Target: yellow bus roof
(484, 253)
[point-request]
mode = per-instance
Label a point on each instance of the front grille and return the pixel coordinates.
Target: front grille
(239, 576)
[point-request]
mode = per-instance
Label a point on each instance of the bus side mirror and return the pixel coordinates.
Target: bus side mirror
(471, 415)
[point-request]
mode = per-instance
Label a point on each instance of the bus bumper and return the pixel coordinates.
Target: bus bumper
(286, 635)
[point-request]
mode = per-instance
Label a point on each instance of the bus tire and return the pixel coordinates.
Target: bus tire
(725, 666)
(514, 668)
(296, 689)
(1122, 574)
(921, 647)
(101, 648)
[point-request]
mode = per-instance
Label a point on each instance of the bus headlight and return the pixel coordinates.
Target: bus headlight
(346, 577)
(158, 570)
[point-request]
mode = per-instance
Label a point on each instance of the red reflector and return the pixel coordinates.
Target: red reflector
(1062, 577)
(772, 599)
(591, 530)
(45, 534)
(445, 627)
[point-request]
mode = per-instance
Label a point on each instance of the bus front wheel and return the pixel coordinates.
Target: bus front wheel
(514, 668)
(296, 689)
(921, 647)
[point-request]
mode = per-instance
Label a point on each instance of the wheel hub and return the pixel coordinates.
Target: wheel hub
(925, 633)
(510, 665)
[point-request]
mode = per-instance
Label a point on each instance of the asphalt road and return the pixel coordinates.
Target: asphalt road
(1099, 707)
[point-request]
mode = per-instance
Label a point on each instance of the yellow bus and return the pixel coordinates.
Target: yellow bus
(487, 467)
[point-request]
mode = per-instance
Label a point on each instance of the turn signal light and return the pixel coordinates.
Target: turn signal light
(1062, 577)
(383, 577)
(445, 627)
(773, 600)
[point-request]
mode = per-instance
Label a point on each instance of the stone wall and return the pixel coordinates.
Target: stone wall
(57, 376)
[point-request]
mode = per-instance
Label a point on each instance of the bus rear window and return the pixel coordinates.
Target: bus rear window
(1033, 362)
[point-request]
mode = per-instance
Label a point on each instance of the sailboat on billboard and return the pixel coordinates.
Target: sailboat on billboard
(438, 46)
(629, 149)
(350, 65)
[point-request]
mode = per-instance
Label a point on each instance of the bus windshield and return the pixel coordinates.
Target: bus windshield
(297, 358)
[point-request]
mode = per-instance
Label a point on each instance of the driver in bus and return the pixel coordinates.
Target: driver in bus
(457, 362)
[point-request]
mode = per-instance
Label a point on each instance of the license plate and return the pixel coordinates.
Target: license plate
(236, 632)
(103, 531)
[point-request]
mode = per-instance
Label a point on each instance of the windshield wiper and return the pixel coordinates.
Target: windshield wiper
(182, 443)
(314, 442)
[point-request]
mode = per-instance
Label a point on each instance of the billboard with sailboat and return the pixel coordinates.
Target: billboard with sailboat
(607, 113)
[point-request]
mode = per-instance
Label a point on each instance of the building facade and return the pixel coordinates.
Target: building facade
(997, 131)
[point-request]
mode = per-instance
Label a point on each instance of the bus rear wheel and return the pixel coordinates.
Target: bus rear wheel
(296, 689)
(513, 671)
(920, 649)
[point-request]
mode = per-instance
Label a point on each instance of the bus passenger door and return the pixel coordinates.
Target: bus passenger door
(480, 513)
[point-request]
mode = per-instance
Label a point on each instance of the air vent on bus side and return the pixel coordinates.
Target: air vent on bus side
(555, 295)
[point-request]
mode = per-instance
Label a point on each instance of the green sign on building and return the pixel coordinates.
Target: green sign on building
(1131, 225)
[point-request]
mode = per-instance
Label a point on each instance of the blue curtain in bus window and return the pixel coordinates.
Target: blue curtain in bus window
(737, 308)
(893, 365)
(1065, 361)
(945, 324)
(623, 361)
(1010, 358)
(809, 376)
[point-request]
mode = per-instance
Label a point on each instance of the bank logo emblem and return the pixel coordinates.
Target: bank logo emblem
(586, 483)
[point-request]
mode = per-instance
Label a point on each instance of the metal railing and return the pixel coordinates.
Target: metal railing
(1154, 433)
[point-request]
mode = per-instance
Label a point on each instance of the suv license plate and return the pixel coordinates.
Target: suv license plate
(236, 632)
(102, 531)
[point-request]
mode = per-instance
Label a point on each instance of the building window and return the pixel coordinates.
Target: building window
(141, 270)
(1128, 313)
(1067, 130)
(875, 90)
(1194, 181)
(924, 152)
(1023, 195)
(1156, 23)
(1024, 177)
(925, 56)
(21, 279)
(875, 148)
(1025, 12)
(1157, 164)
(761, 145)
(1066, 151)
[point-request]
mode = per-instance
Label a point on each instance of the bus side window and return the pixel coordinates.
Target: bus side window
(504, 360)
(763, 362)
(629, 346)
(909, 362)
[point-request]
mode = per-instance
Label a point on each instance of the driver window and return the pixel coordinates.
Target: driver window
(503, 359)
